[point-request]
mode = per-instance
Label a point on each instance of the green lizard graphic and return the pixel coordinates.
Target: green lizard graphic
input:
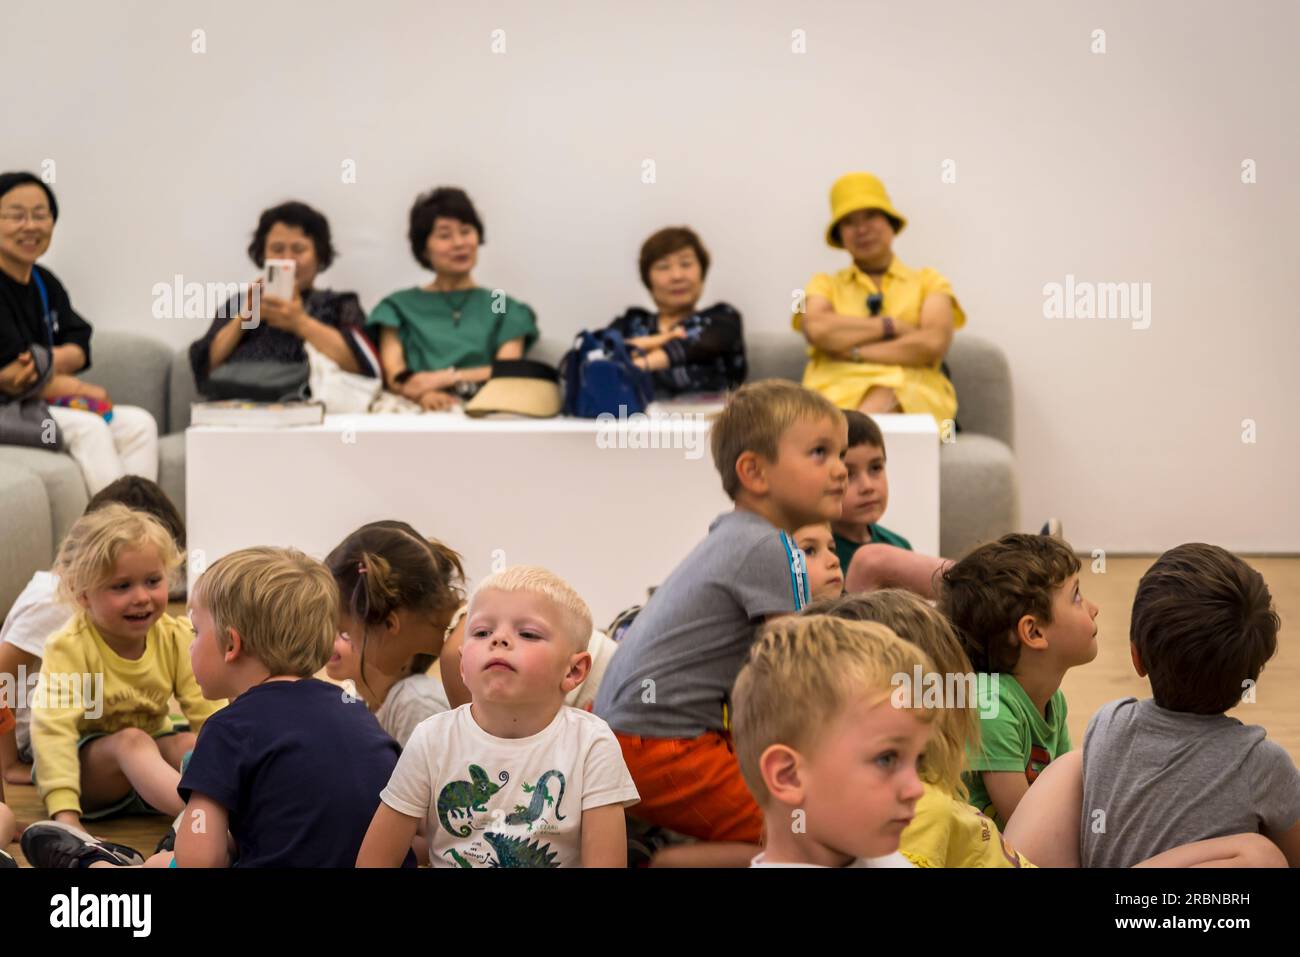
(516, 852)
(541, 797)
(460, 861)
(466, 797)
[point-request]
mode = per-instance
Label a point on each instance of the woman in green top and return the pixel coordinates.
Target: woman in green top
(437, 342)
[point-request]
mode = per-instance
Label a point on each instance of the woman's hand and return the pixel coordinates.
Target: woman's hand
(66, 385)
(438, 401)
(284, 314)
(651, 343)
(18, 376)
(424, 382)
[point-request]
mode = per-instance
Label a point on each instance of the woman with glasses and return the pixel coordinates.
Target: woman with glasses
(37, 320)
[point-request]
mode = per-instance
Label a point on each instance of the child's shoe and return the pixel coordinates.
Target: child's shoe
(6, 860)
(56, 844)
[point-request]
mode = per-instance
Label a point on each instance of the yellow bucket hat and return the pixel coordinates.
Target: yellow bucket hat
(855, 191)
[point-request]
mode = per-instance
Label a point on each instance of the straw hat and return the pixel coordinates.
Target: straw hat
(518, 387)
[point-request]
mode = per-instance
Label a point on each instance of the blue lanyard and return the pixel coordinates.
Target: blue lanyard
(45, 308)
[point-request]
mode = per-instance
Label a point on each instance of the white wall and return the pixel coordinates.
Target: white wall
(1123, 166)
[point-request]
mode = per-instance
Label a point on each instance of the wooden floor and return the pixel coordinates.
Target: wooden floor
(1111, 676)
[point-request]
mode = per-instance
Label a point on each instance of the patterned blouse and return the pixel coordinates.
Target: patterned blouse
(338, 310)
(710, 359)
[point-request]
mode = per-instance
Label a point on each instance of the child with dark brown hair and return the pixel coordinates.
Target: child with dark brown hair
(398, 593)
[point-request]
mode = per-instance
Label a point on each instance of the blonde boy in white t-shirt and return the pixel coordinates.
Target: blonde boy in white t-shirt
(514, 778)
(829, 742)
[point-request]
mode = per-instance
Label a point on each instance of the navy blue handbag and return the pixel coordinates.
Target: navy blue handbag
(600, 377)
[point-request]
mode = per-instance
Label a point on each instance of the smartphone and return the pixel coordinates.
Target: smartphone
(278, 278)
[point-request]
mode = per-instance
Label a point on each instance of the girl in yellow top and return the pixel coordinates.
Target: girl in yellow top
(877, 330)
(102, 738)
(946, 831)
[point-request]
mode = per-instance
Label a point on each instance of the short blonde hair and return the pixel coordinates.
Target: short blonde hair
(92, 546)
(913, 619)
(801, 674)
(283, 604)
(754, 419)
(539, 581)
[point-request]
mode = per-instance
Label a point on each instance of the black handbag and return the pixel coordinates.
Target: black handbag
(259, 380)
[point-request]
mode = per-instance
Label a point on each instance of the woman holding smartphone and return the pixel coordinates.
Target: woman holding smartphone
(331, 321)
(438, 341)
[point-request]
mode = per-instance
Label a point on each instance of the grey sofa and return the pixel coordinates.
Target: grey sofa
(42, 493)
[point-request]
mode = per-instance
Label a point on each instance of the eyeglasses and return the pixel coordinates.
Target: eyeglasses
(17, 217)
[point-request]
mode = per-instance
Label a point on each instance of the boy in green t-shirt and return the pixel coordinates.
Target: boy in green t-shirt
(1016, 605)
(871, 555)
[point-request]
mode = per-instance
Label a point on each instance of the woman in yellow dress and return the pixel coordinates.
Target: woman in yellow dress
(877, 329)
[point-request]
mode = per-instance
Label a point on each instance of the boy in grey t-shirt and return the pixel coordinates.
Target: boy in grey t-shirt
(1174, 769)
(779, 450)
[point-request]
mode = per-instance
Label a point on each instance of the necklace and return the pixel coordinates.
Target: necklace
(456, 307)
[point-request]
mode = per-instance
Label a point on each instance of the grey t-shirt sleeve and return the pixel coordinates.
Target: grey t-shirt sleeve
(1277, 788)
(771, 578)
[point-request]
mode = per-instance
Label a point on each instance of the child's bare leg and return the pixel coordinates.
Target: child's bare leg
(705, 854)
(174, 747)
(130, 758)
(1236, 850)
(887, 566)
(8, 826)
(11, 659)
(1045, 825)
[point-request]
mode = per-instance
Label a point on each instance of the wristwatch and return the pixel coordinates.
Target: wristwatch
(402, 377)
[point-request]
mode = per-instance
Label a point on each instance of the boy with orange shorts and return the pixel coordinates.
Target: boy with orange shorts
(779, 450)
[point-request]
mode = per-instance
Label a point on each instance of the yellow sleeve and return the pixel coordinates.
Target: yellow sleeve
(819, 285)
(54, 729)
(924, 842)
(934, 281)
(195, 707)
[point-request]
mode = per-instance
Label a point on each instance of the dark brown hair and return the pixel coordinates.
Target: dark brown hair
(448, 202)
(385, 566)
(863, 430)
(987, 593)
(665, 243)
(1203, 624)
(145, 496)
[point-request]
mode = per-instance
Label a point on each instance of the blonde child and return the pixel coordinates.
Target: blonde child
(105, 746)
(38, 612)
(289, 773)
(947, 831)
(829, 749)
(514, 778)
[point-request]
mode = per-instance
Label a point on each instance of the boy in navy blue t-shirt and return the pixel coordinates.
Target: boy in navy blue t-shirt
(294, 767)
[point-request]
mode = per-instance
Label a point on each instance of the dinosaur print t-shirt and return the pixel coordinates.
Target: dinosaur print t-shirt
(508, 802)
